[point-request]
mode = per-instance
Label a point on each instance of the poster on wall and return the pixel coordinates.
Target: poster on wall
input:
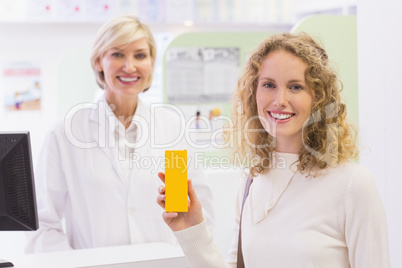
(21, 86)
(201, 74)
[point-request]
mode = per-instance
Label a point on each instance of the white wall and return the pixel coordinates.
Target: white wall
(380, 96)
(44, 44)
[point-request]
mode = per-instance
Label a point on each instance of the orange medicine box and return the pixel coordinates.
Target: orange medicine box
(176, 181)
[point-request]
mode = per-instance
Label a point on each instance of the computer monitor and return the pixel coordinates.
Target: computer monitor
(17, 190)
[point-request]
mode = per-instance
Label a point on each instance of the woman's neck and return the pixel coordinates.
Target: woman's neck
(291, 146)
(123, 108)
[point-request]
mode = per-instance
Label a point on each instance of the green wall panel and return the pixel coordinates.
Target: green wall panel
(338, 35)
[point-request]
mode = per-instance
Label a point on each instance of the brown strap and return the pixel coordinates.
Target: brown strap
(240, 261)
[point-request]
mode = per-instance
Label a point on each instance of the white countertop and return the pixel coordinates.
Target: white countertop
(142, 255)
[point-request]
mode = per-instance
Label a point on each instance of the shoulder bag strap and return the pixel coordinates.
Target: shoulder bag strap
(240, 261)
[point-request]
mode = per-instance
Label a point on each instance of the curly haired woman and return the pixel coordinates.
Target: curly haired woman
(309, 204)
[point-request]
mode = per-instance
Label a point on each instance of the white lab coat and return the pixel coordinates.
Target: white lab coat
(79, 177)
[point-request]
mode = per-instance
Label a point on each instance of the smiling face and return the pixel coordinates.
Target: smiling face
(127, 69)
(284, 100)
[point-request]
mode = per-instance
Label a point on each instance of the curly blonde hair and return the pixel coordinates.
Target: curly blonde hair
(327, 139)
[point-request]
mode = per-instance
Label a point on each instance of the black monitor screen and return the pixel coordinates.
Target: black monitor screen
(17, 190)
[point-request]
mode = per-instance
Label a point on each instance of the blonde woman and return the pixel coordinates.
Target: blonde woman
(309, 204)
(97, 168)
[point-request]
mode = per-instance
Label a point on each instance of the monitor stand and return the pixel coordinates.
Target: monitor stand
(4, 263)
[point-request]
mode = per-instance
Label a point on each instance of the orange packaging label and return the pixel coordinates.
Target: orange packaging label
(176, 181)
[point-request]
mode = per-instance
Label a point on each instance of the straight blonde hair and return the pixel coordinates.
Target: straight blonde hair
(116, 32)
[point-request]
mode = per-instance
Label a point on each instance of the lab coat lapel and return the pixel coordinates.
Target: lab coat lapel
(145, 159)
(141, 149)
(141, 161)
(106, 143)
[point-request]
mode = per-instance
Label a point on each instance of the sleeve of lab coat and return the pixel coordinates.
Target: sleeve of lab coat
(51, 199)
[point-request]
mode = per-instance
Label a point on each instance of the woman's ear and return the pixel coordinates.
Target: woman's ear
(98, 66)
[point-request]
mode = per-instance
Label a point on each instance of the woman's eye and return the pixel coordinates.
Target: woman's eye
(140, 56)
(117, 54)
(268, 85)
(296, 87)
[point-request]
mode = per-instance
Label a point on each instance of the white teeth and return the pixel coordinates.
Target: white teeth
(280, 116)
(128, 79)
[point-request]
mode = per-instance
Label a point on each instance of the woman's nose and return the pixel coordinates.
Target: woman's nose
(281, 98)
(130, 66)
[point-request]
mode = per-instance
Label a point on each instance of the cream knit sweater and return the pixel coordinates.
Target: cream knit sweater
(334, 220)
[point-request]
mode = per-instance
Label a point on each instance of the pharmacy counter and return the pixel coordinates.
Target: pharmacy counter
(142, 255)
